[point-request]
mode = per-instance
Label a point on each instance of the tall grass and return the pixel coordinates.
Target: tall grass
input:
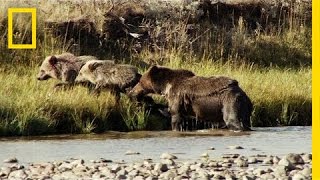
(272, 65)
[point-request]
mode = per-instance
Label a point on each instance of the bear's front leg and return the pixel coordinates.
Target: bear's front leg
(88, 85)
(174, 109)
(97, 90)
(62, 86)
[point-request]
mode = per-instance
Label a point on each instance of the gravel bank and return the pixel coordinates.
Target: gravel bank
(168, 166)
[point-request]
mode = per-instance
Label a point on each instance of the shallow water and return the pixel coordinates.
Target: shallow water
(187, 146)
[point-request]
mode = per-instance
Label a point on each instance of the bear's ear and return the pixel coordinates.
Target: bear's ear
(94, 66)
(53, 60)
(154, 69)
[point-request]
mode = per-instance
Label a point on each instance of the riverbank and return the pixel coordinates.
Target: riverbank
(229, 166)
(139, 153)
(30, 107)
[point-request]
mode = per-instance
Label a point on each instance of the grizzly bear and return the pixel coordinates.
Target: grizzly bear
(64, 67)
(215, 99)
(107, 75)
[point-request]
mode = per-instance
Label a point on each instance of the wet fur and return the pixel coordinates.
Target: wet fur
(216, 99)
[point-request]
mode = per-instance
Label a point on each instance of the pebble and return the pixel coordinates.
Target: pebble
(268, 160)
(275, 160)
(261, 155)
(77, 162)
(167, 161)
(246, 177)
(105, 160)
(11, 160)
(161, 167)
(115, 168)
(280, 171)
(285, 162)
(230, 155)
(306, 172)
(259, 172)
(231, 167)
(168, 156)
(267, 176)
(18, 174)
(204, 155)
(65, 167)
(5, 171)
(252, 160)
(299, 176)
(294, 158)
(307, 157)
(131, 153)
(235, 147)
(241, 162)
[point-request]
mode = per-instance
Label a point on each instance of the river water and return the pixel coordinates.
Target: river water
(186, 146)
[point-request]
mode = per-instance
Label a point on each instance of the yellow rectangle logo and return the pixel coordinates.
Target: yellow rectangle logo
(33, 12)
(315, 90)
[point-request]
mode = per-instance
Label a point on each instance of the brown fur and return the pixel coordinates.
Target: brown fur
(116, 77)
(215, 99)
(205, 86)
(64, 67)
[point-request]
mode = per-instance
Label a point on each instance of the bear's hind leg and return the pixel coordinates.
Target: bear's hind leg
(175, 122)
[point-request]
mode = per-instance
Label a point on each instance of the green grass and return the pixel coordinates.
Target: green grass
(31, 107)
(26, 102)
(273, 67)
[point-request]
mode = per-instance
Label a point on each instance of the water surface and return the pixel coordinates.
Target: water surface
(187, 146)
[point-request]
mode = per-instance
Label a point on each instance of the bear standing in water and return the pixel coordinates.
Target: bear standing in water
(215, 99)
(64, 67)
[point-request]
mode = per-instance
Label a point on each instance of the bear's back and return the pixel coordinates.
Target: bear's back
(204, 86)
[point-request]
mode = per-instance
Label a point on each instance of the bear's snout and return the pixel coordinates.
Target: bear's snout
(78, 79)
(137, 90)
(131, 94)
(43, 77)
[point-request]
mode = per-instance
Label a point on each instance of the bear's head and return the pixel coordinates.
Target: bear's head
(94, 70)
(157, 79)
(87, 72)
(48, 69)
(145, 84)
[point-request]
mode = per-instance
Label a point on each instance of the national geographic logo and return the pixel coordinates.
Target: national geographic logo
(33, 12)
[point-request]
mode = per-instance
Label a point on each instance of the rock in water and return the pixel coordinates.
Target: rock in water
(168, 156)
(235, 147)
(131, 153)
(204, 155)
(11, 160)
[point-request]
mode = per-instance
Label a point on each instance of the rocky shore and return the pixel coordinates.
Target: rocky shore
(168, 166)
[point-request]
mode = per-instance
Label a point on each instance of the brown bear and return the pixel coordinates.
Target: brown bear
(105, 74)
(64, 67)
(215, 99)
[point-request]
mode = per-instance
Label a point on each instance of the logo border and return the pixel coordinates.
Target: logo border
(33, 12)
